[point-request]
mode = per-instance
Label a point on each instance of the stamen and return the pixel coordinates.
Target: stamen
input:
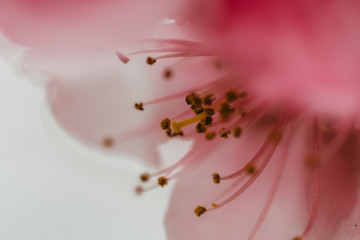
(263, 156)
(150, 60)
(162, 181)
(168, 73)
(216, 178)
(231, 96)
(139, 190)
(108, 142)
(165, 124)
(224, 133)
(316, 181)
(214, 205)
(225, 111)
(122, 57)
(207, 120)
(200, 128)
(145, 177)
(209, 111)
(210, 135)
(139, 106)
(237, 132)
(274, 187)
(250, 168)
(199, 210)
(208, 99)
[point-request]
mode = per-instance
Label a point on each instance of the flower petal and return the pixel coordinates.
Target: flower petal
(236, 219)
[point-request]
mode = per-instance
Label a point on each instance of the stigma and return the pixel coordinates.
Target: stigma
(218, 113)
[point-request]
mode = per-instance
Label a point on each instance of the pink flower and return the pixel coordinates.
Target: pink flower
(310, 47)
(268, 92)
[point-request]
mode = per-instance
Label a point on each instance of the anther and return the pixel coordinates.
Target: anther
(139, 106)
(214, 205)
(209, 111)
(200, 128)
(122, 57)
(199, 210)
(169, 132)
(223, 133)
(231, 96)
(250, 168)
(242, 111)
(297, 238)
(168, 73)
(144, 177)
(198, 110)
(207, 120)
(194, 100)
(237, 132)
(210, 135)
(178, 134)
(165, 124)
(162, 181)
(139, 190)
(225, 110)
(216, 178)
(108, 142)
(150, 60)
(208, 99)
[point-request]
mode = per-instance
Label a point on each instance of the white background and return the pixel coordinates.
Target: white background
(52, 187)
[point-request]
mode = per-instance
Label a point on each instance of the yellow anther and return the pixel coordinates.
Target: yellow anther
(144, 177)
(165, 124)
(231, 96)
(207, 120)
(225, 111)
(139, 106)
(168, 73)
(208, 99)
(162, 181)
(150, 60)
(216, 178)
(108, 142)
(237, 132)
(199, 210)
(214, 205)
(250, 168)
(200, 128)
(210, 135)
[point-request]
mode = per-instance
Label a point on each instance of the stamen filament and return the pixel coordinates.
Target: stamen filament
(316, 181)
(273, 188)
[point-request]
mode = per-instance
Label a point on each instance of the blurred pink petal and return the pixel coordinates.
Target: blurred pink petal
(79, 25)
(307, 47)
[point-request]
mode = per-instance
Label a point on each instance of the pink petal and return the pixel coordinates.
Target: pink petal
(235, 220)
(78, 25)
(303, 51)
(339, 215)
